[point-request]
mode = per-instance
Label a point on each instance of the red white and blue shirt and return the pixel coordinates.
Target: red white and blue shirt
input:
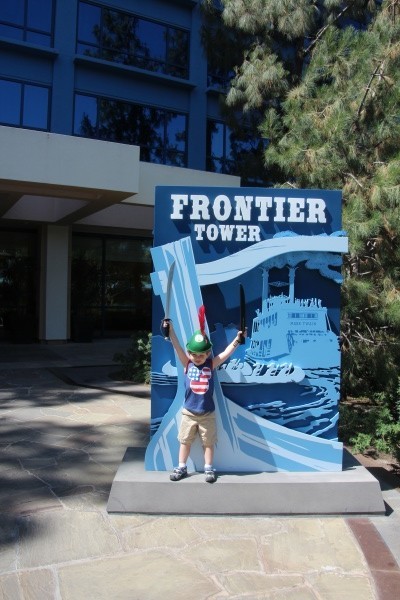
(199, 387)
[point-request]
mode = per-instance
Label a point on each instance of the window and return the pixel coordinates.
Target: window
(110, 280)
(24, 104)
(19, 278)
(161, 134)
(235, 153)
(219, 77)
(125, 38)
(27, 20)
(222, 149)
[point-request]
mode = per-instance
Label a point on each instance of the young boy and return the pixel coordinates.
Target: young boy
(198, 413)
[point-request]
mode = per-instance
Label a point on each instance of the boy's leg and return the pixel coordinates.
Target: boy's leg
(181, 470)
(208, 455)
(208, 461)
(208, 433)
(184, 451)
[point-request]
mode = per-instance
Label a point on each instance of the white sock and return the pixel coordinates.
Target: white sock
(208, 467)
(182, 465)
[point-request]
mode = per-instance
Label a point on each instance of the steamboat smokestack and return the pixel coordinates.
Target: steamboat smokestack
(292, 271)
(265, 287)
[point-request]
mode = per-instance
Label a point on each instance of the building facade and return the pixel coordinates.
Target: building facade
(100, 102)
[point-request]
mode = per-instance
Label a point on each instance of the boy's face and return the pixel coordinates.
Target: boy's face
(198, 358)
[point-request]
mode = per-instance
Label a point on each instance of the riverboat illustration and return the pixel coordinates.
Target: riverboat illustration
(291, 330)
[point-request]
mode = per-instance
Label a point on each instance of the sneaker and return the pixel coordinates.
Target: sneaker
(178, 473)
(211, 475)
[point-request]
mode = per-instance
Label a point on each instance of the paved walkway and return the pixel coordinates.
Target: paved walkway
(64, 427)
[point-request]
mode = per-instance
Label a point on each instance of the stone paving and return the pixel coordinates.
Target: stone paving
(60, 446)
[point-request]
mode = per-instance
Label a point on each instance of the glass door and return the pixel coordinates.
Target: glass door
(110, 283)
(18, 285)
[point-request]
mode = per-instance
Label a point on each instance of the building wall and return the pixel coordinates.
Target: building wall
(66, 72)
(52, 182)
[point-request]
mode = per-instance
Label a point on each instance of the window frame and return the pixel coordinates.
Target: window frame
(227, 164)
(26, 29)
(21, 123)
(223, 161)
(147, 152)
(135, 59)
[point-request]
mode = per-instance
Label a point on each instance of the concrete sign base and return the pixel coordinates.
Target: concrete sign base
(351, 491)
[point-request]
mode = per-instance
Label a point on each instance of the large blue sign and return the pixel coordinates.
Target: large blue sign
(277, 396)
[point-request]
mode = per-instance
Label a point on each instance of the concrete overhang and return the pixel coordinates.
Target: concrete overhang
(70, 177)
(139, 209)
(66, 180)
(152, 175)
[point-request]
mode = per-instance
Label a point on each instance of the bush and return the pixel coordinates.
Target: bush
(362, 442)
(371, 424)
(136, 362)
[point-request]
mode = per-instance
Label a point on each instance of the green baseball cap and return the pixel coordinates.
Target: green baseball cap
(199, 342)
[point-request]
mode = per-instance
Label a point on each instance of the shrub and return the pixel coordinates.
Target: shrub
(136, 362)
(371, 425)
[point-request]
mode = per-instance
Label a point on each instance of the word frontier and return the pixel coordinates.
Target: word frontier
(245, 208)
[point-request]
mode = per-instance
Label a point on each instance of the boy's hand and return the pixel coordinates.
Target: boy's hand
(165, 328)
(241, 336)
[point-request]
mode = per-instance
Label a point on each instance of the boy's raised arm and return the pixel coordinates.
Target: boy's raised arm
(178, 348)
(222, 356)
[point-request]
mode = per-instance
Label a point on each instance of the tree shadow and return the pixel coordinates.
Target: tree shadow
(387, 480)
(53, 445)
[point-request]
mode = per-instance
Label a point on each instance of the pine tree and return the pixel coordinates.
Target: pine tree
(326, 75)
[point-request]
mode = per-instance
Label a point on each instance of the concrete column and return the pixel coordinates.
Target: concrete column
(63, 67)
(54, 301)
(198, 97)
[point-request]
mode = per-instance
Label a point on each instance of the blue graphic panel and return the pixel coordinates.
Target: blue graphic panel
(277, 396)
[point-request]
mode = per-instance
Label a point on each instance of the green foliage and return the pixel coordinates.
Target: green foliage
(136, 362)
(362, 442)
(341, 130)
(385, 439)
(397, 403)
(374, 425)
(324, 78)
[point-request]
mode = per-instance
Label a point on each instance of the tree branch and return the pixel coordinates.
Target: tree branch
(368, 88)
(322, 31)
(356, 180)
(290, 184)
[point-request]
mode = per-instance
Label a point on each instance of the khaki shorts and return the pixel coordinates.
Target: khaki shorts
(203, 425)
